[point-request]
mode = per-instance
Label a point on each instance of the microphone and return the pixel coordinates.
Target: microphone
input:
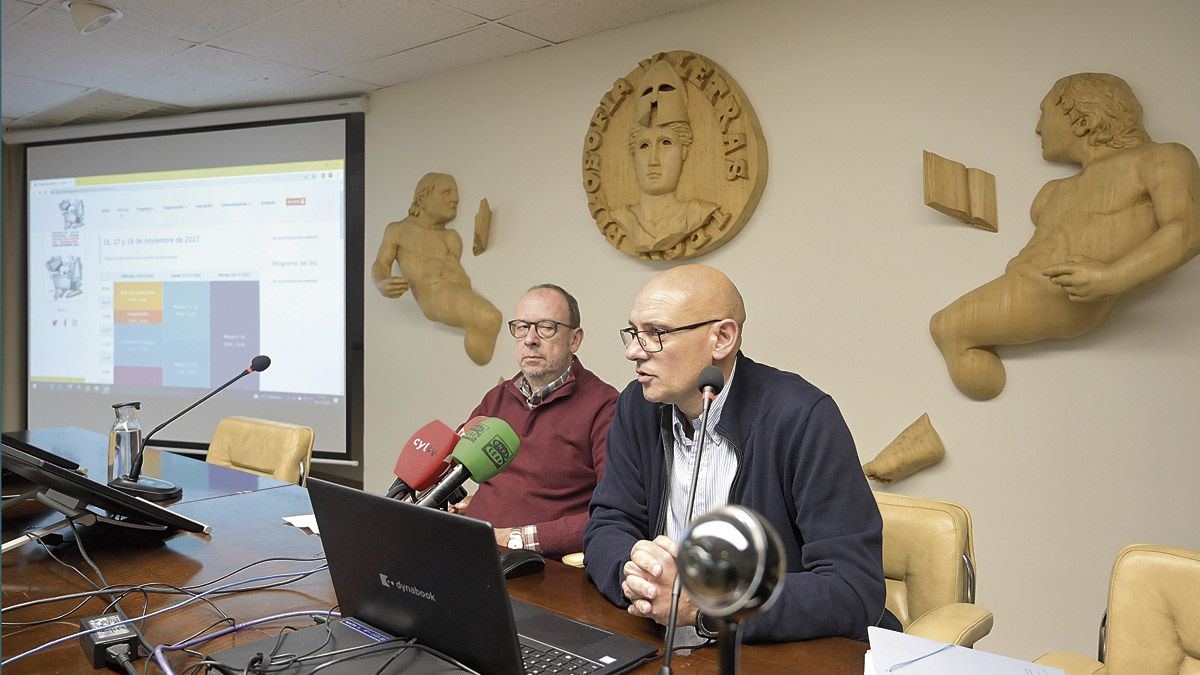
(156, 490)
(460, 492)
(422, 460)
(487, 448)
(733, 565)
(710, 382)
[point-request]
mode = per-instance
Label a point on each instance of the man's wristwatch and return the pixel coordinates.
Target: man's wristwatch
(515, 539)
(704, 628)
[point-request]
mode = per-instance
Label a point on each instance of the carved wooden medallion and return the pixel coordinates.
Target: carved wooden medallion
(674, 160)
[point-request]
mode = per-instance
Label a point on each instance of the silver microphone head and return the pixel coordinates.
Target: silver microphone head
(732, 563)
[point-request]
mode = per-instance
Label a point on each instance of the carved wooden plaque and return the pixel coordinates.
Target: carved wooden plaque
(674, 160)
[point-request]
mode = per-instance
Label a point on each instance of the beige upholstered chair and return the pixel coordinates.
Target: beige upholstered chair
(277, 449)
(1152, 626)
(929, 565)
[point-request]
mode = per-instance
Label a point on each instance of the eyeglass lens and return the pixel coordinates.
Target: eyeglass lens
(545, 329)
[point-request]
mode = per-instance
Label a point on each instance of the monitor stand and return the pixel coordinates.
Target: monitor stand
(73, 508)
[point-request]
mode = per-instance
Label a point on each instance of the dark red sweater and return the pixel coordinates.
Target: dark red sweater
(559, 463)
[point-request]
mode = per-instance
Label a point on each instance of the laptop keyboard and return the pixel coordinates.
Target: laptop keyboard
(538, 662)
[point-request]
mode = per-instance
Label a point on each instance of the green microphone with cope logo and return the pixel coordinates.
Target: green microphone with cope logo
(487, 447)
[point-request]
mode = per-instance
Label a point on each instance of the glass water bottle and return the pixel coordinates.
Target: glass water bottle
(125, 439)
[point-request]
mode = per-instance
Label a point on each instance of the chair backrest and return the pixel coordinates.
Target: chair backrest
(278, 449)
(1154, 612)
(928, 554)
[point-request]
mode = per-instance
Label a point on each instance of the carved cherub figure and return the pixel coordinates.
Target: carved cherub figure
(429, 257)
(1131, 215)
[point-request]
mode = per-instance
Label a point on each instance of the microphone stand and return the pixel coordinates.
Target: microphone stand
(678, 585)
(154, 489)
(729, 642)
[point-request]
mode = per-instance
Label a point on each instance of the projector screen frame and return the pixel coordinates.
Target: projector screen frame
(354, 205)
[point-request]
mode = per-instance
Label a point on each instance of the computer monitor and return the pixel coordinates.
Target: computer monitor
(122, 509)
(22, 441)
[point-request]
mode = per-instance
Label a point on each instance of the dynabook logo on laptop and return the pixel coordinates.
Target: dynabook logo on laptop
(411, 590)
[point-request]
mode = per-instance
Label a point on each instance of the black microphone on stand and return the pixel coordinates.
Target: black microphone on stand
(156, 490)
(710, 384)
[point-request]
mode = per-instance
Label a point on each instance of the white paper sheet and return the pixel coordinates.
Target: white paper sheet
(306, 522)
(893, 652)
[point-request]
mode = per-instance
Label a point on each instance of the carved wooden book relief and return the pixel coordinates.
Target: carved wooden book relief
(968, 195)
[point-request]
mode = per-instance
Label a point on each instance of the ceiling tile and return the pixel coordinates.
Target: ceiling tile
(24, 96)
(325, 34)
(487, 42)
(494, 9)
(564, 20)
(15, 10)
(226, 77)
(46, 46)
(195, 21)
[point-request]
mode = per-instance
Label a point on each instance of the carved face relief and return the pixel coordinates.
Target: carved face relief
(442, 203)
(654, 194)
(658, 159)
(1058, 137)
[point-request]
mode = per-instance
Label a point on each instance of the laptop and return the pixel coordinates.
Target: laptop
(405, 571)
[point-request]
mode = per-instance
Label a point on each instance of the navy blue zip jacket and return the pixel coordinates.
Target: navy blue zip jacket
(797, 466)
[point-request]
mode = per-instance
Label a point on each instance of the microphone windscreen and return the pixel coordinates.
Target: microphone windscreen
(423, 459)
(487, 448)
(710, 377)
(470, 423)
(260, 363)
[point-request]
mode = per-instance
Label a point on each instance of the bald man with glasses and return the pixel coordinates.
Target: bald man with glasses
(775, 443)
(561, 411)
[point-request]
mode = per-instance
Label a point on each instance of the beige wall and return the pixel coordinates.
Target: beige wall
(1094, 442)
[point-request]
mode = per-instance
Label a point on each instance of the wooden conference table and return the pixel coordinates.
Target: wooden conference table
(246, 519)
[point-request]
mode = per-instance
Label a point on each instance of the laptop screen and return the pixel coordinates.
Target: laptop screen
(418, 572)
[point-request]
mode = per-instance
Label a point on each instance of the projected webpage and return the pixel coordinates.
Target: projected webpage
(177, 279)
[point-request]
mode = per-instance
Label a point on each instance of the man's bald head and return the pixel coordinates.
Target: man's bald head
(698, 289)
(694, 314)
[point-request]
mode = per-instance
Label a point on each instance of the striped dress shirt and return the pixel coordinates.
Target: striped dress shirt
(717, 468)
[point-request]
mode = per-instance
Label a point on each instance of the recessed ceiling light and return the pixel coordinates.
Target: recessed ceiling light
(90, 17)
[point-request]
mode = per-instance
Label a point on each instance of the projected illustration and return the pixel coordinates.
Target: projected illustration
(66, 275)
(72, 213)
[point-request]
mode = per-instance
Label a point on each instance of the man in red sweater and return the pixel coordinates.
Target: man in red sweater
(561, 412)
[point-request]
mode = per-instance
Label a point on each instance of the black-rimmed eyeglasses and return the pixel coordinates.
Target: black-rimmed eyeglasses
(545, 329)
(651, 340)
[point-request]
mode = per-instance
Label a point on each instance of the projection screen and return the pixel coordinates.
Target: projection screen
(161, 264)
